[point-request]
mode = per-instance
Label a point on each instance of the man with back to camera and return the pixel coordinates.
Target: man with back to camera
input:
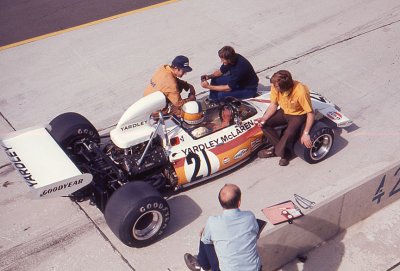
(167, 80)
(228, 241)
(236, 77)
(295, 110)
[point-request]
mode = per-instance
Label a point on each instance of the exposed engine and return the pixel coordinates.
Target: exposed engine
(113, 167)
(134, 163)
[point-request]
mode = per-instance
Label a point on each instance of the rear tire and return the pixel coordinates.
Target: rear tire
(137, 214)
(69, 127)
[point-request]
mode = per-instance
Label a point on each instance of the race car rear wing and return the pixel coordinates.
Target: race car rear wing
(43, 165)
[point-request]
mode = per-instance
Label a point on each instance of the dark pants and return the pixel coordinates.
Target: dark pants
(284, 144)
(207, 257)
(240, 93)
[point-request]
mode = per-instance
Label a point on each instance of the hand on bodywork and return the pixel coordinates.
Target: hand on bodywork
(268, 113)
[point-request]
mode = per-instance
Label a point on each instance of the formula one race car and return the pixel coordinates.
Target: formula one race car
(148, 152)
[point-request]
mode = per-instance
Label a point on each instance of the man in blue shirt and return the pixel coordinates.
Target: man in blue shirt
(228, 241)
(236, 77)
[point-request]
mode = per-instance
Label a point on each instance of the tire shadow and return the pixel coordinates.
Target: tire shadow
(339, 142)
(184, 208)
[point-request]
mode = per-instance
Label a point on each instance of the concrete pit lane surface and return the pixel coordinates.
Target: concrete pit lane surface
(345, 50)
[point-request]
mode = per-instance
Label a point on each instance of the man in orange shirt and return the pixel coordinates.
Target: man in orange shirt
(167, 80)
(295, 109)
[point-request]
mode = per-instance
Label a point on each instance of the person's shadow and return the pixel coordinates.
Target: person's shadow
(292, 243)
(326, 257)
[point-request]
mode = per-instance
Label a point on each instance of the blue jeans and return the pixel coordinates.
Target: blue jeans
(240, 93)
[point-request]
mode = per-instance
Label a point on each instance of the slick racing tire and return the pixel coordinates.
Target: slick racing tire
(322, 138)
(70, 127)
(137, 214)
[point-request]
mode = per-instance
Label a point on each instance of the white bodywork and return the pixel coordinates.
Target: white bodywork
(320, 105)
(46, 168)
(43, 165)
(328, 109)
(133, 127)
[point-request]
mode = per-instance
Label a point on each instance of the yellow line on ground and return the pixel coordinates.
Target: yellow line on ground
(84, 25)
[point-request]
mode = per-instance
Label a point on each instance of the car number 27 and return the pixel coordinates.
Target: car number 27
(200, 164)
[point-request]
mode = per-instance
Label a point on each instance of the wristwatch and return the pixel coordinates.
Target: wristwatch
(306, 133)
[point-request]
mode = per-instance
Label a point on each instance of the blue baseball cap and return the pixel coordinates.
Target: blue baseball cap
(182, 62)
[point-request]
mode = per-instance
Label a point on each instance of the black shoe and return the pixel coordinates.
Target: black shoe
(266, 153)
(283, 162)
(192, 262)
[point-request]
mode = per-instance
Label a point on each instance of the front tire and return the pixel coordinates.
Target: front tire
(137, 214)
(322, 138)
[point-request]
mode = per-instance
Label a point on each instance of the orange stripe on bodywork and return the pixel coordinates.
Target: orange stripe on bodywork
(253, 132)
(226, 152)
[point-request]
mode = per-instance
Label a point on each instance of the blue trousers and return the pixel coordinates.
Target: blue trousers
(240, 93)
(207, 257)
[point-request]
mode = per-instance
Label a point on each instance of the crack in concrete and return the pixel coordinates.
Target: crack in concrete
(327, 46)
(394, 266)
(105, 236)
(5, 165)
(8, 122)
(33, 251)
